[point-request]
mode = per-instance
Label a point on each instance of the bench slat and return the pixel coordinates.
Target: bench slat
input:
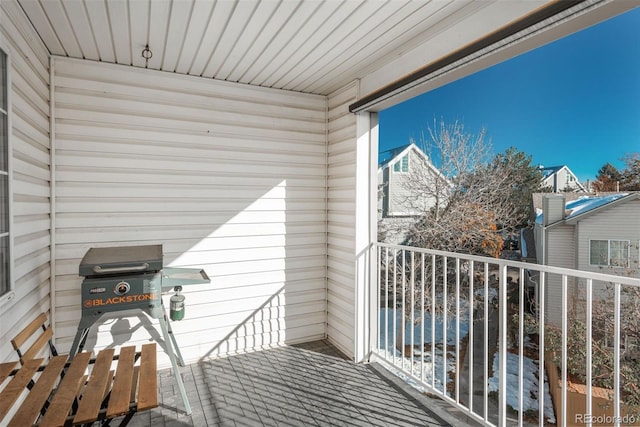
(30, 408)
(17, 385)
(121, 391)
(148, 382)
(94, 391)
(6, 369)
(29, 330)
(66, 393)
(38, 345)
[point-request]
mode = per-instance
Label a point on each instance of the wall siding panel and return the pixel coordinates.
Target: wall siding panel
(229, 178)
(621, 222)
(341, 260)
(30, 159)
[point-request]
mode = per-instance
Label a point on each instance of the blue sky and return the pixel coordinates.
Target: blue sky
(575, 101)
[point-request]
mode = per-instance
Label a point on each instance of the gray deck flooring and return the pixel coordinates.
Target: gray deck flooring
(302, 385)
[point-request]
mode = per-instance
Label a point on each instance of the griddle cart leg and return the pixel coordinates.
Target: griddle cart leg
(173, 338)
(170, 342)
(81, 336)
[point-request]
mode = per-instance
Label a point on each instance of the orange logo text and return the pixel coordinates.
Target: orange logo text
(96, 302)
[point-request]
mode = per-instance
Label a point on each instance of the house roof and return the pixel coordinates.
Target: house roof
(578, 209)
(305, 46)
(585, 206)
(385, 157)
(548, 171)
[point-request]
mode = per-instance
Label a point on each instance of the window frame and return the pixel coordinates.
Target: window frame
(402, 164)
(608, 258)
(8, 293)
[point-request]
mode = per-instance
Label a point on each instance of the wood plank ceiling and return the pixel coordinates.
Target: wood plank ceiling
(308, 46)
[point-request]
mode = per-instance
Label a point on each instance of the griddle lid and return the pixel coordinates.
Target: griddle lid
(121, 260)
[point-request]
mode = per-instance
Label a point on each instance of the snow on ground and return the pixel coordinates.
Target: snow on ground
(424, 364)
(428, 358)
(529, 385)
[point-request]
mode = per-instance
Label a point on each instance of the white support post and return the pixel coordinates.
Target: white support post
(365, 234)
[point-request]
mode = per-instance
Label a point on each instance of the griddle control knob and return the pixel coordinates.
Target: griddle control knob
(122, 288)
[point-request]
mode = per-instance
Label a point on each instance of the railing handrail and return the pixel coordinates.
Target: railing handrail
(623, 280)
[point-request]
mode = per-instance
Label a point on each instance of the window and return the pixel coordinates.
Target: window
(5, 282)
(613, 253)
(402, 165)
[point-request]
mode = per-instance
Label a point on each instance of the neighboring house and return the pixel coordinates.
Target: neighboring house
(591, 233)
(407, 187)
(560, 179)
(403, 174)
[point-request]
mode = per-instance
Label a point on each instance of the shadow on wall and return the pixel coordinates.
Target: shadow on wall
(266, 265)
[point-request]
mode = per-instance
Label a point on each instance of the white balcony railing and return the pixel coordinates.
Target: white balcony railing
(481, 333)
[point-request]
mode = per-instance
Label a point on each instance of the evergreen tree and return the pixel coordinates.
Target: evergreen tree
(522, 179)
(608, 179)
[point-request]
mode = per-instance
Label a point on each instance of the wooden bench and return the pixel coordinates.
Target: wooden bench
(75, 399)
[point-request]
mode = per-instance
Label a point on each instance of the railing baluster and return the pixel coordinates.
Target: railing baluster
(471, 339)
(457, 384)
(521, 318)
(565, 315)
(589, 337)
(433, 321)
(395, 304)
(444, 324)
(616, 353)
(502, 347)
(386, 311)
(422, 297)
(378, 290)
(412, 302)
(541, 346)
(486, 344)
(403, 320)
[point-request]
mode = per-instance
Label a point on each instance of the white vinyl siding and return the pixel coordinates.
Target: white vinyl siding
(227, 177)
(569, 245)
(619, 223)
(342, 218)
(29, 167)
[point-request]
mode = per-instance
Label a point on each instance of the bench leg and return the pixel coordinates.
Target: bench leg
(123, 422)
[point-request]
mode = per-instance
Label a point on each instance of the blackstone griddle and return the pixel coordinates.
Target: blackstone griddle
(117, 279)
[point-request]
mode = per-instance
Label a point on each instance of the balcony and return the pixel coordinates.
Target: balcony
(429, 363)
